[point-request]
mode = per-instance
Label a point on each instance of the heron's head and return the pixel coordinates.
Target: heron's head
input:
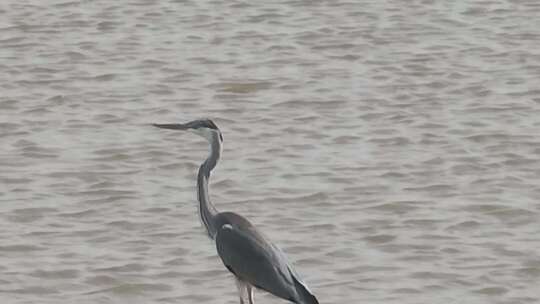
(203, 127)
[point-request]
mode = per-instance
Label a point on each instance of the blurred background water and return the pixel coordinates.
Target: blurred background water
(391, 148)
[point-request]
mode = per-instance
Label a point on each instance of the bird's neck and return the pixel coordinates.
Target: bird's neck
(216, 147)
(206, 209)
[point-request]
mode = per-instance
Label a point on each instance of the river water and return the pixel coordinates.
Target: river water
(391, 148)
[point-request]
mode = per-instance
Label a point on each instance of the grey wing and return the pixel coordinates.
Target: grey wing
(255, 260)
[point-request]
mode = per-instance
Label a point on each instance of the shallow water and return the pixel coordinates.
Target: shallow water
(390, 148)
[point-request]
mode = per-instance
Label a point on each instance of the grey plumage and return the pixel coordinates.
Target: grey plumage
(247, 253)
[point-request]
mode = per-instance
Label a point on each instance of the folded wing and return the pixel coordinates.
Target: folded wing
(252, 258)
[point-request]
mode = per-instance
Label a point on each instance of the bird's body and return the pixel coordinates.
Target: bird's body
(247, 253)
(252, 258)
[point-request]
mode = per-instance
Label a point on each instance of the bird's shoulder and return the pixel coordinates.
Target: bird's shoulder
(233, 219)
(231, 225)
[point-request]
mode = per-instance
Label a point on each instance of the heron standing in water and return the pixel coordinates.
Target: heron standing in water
(247, 254)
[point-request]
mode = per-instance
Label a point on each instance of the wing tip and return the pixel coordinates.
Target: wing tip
(305, 295)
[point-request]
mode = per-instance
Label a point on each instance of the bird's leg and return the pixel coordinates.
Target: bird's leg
(249, 289)
(242, 291)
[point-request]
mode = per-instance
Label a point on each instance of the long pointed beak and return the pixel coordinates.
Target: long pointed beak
(172, 126)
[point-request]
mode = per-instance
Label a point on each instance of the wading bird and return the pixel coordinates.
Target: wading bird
(247, 254)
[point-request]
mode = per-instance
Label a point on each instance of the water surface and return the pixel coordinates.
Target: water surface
(390, 148)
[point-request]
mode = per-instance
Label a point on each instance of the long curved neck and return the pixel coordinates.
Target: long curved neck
(207, 211)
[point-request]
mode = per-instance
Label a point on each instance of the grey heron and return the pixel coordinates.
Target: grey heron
(247, 254)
